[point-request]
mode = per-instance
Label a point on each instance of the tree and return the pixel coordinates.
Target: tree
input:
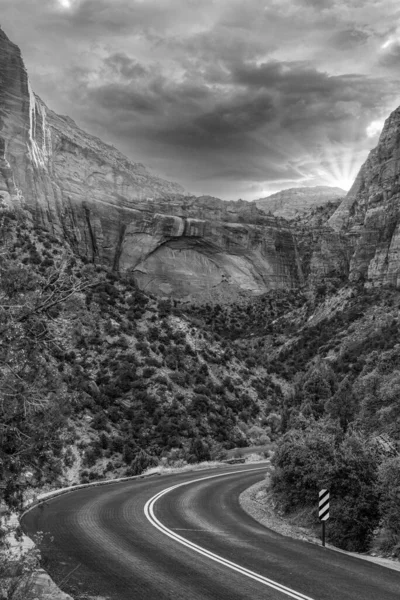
(199, 451)
(33, 398)
(304, 461)
(141, 462)
(317, 387)
(320, 457)
(343, 404)
(355, 495)
(389, 488)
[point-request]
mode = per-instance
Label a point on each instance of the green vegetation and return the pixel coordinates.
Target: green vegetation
(99, 379)
(335, 353)
(342, 419)
(320, 456)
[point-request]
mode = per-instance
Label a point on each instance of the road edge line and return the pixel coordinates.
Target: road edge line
(149, 513)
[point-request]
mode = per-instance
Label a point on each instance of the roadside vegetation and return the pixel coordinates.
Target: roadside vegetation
(334, 351)
(99, 379)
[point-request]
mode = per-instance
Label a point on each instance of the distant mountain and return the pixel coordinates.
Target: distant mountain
(296, 201)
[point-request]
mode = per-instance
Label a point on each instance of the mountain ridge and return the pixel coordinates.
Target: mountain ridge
(292, 202)
(111, 211)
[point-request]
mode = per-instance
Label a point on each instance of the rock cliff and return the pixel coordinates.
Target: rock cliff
(370, 213)
(113, 211)
(361, 240)
(295, 202)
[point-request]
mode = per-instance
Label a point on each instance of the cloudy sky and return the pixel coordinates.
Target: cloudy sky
(233, 98)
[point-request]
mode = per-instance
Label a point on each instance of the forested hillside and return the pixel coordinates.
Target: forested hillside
(336, 355)
(99, 379)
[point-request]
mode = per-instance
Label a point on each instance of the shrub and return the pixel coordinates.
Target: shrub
(355, 512)
(153, 362)
(99, 422)
(178, 378)
(198, 451)
(389, 487)
(141, 462)
(314, 458)
(200, 403)
(148, 372)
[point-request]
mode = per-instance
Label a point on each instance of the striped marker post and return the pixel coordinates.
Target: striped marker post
(323, 510)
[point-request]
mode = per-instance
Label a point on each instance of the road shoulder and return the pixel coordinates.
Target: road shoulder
(256, 502)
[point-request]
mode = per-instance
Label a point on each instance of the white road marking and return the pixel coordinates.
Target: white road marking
(149, 513)
(202, 530)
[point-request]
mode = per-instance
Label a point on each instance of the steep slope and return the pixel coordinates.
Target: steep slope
(295, 202)
(370, 213)
(113, 212)
(98, 378)
(52, 163)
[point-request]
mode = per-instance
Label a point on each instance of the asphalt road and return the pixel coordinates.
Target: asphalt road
(131, 541)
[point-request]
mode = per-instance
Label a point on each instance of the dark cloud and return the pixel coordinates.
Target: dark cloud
(290, 77)
(125, 66)
(124, 98)
(347, 39)
(253, 96)
(254, 129)
(237, 118)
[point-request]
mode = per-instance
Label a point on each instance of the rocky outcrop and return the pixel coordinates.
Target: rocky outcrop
(370, 213)
(113, 211)
(51, 162)
(361, 239)
(296, 202)
(183, 256)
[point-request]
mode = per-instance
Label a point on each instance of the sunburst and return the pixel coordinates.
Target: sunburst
(339, 165)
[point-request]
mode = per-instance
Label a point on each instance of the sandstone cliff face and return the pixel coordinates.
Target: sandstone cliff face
(185, 256)
(295, 202)
(370, 213)
(113, 211)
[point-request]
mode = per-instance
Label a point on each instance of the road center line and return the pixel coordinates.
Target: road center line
(149, 513)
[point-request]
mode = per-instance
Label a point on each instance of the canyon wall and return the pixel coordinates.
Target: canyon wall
(370, 213)
(113, 211)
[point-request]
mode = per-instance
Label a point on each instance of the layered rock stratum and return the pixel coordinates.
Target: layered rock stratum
(113, 211)
(370, 213)
(360, 242)
(295, 202)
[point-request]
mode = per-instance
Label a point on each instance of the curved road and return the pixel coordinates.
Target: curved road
(131, 541)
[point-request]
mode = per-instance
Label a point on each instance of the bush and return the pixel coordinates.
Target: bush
(148, 372)
(199, 451)
(304, 463)
(320, 457)
(141, 462)
(178, 378)
(355, 508)
(389, 487)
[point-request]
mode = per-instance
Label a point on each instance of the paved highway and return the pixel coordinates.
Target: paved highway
(134, 540)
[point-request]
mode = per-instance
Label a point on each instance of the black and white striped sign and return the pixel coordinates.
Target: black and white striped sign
(323, 505)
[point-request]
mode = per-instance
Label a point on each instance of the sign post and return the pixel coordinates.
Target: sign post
(323, 510)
